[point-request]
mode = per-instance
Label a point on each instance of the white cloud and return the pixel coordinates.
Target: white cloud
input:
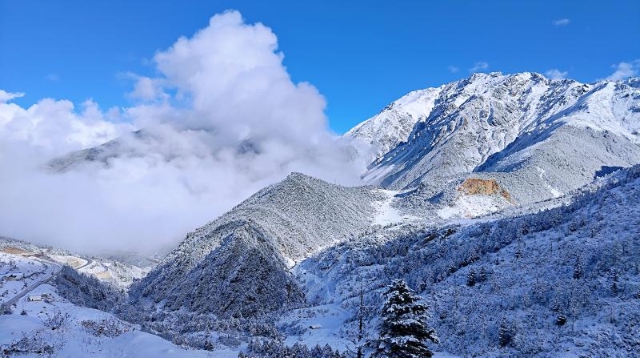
(556, 74)
(147, 89)
(453, 69)
(54, 127)
(625, 70)
(8, 96)
(221, 120)
(479, 66)
(562, 22)
(236, 82)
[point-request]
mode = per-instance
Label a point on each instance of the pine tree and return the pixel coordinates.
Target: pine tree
(471, 278)
(614, 281)
(505, 334)
(361, 323)
(404, 328)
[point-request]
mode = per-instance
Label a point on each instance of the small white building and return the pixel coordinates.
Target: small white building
(34, 298)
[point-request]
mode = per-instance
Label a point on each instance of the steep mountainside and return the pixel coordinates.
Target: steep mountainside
(384, 131)
(476, 146)
(538, 138)
(238, 264)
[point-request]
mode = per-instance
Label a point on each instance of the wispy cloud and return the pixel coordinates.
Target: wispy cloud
(453, 69)
(562, 22)
(53, 77)
(8, 96)
(625, 70)
(479, 66)
(556, 74)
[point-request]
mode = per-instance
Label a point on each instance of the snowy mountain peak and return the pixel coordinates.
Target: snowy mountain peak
(379, 134)
(393, 124)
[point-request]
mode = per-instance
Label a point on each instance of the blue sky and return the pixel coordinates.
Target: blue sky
(360, 55)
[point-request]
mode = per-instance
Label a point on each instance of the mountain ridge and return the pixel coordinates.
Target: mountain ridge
(281, 224)
(516, 129)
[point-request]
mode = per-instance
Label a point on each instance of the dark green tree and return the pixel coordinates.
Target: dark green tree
(404, 330)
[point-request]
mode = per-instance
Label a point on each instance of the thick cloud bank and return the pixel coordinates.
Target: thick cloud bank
(221, 120)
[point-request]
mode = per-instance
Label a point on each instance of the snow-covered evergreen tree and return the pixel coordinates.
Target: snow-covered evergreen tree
(404, 328)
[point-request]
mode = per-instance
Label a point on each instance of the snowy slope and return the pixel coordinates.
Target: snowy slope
(136, 144)
(42, 323)
(562, 282)
(19, 275)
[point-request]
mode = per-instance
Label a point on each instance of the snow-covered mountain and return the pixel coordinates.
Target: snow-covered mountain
(238, 264)
(552, 271)
(536, 138)
(467, 148)
(131, 144)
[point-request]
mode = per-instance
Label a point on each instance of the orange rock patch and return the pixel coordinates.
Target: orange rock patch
(14, 251)
(477, 186)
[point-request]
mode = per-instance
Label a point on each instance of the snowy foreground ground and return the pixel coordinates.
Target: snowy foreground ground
(42, 323)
